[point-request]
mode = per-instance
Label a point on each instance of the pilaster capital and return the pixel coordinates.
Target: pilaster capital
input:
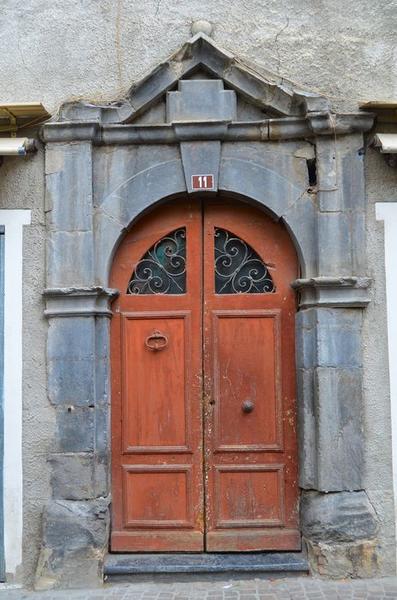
(333, 292)
(78, 301)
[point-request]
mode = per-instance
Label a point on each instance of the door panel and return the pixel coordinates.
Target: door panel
(157, 496)
(155, 382)
(249, 366)
(157, 473)
(246, 345)
(249, 496)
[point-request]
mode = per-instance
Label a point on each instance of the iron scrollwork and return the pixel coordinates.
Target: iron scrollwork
(162, 270)
(238, 268)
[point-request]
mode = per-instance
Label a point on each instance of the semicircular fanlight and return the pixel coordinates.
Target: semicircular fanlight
(162, 270)
(238, 268)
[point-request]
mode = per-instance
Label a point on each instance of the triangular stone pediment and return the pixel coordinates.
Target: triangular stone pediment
(201, 58)
(200, 65)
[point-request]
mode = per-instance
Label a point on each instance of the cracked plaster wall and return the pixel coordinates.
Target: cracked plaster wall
(95, 50)
(345, 49)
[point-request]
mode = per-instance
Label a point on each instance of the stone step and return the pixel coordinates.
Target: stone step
(117, 565)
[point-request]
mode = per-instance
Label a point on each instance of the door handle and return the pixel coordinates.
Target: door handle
(247, 406)
(156, 341)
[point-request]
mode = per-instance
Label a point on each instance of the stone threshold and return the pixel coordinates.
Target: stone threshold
(163, 563)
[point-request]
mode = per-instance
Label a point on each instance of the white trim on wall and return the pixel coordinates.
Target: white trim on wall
(13, 221)
(387, 212)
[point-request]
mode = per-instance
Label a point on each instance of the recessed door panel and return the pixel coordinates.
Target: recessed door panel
(246, 370)
(249, 496)
(157, 496)
(155, 362)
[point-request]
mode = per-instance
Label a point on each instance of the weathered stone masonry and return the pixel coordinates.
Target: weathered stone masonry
(104, 167)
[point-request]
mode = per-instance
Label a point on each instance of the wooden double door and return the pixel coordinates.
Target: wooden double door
(204, 453)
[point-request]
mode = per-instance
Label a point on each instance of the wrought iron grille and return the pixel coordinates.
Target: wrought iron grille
(162, 270)
(238, 268)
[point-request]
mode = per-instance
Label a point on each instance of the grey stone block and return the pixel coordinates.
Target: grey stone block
(71, 338)
(306, 343)
(307, 430)
(69, 187)
(338, 337)
(67, 214)
(340, 442)
(75, 429)
(74, 541)
(201, 100)
(102, 383)
(114, 166)
(328, 337)
(359, 249)
(118, 212)
(300, 219)
(334, 244)
(337, 517)
(73, 476)
(102, 339)
(280, 196)
(351, 172)
(70, 259)
(201, 158)
(102, 429)
(72, 382)
(102, 475)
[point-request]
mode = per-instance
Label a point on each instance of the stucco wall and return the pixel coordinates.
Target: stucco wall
(92, 49)
(21, 186)
(95, 50)
(381, 182)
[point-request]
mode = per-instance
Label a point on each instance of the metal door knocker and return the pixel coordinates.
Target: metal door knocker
(156, 341)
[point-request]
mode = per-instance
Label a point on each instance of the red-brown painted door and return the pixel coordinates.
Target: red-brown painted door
(250, 438)
(157, 475)
(203, 382)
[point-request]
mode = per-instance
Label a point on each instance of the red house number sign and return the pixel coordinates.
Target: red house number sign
(202, 182)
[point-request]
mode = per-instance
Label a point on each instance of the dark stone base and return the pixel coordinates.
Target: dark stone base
(163, 564)
(340, 530)
(337, 517)
(74, 542)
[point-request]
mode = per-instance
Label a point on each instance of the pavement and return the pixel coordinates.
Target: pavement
(294, 588)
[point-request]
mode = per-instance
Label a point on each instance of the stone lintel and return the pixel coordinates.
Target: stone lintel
(321, 124)
(78, 302)
(333, 291)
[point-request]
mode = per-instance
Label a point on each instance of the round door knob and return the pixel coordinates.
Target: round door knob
(247, 406)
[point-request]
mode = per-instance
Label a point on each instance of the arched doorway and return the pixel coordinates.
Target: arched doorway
(204, 450)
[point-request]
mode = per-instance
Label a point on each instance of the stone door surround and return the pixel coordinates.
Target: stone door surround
(303, 164)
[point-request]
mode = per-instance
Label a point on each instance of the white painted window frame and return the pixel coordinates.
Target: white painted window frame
(387, 212)
(13, 221)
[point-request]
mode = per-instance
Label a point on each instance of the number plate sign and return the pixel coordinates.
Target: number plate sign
(203, 182)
